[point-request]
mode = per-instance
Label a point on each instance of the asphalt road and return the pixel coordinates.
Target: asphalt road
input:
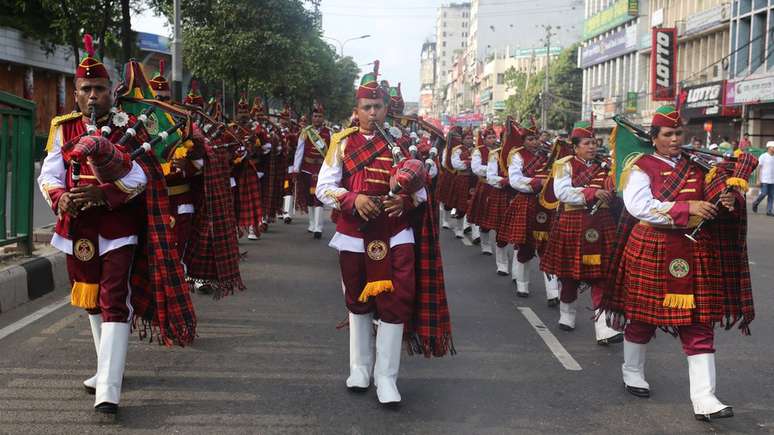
(270, 360)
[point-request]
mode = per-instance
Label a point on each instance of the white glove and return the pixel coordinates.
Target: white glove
(260, 175)
(266, 148)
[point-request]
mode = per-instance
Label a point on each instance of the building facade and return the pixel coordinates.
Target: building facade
(751, 67)
(450, 41)
(427, 78)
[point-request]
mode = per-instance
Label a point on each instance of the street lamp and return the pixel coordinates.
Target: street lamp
(342, 44)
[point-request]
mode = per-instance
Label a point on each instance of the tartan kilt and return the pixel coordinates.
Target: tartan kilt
(460, 194)
(498, 207)
(305, 182)
(479, 203)
(516, 220)
(563, 256)
(442, 190)
(640, 284)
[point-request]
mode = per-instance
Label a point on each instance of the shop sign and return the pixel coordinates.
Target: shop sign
(663, 64)
(747, 91)
(708, 19)
(616, 14)
(621, 42)
(708, 99)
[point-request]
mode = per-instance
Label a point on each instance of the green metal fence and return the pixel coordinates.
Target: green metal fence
(17, 149)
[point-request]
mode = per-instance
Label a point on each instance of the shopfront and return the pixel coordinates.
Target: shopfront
(704, 107)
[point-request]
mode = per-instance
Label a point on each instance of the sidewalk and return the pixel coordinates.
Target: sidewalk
(23, 278)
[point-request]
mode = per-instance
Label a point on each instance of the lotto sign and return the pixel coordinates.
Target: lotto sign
(663, 64)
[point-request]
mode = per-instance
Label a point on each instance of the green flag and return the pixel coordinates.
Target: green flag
(627, 143)
(135, 89)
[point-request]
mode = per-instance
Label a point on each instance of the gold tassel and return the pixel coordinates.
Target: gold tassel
(684, 302)
(375, 288)
(541, 236)
(592, 260)
(738, 182)
(286, 185)
(84, 295)
(710, 175)
(166, 167)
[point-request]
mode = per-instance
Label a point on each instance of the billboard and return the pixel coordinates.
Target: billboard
(663, 64)
(613, 16)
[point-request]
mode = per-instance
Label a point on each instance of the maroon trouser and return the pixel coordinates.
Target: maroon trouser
(696, 338)
(183, 229)
(113, 300)
(396, 306)
(525, 252)
(569, 292)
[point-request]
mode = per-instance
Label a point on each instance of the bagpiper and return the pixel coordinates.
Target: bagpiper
(664, 279)
(312, 146)
(390, 270)
(581, 238)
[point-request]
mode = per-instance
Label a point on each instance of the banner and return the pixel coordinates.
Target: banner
(663, 64)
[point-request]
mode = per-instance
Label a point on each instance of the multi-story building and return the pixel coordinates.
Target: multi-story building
(751, 67)
(494, 89)
(702, 28)
(450, 39)
(427, 77)
(612, 66)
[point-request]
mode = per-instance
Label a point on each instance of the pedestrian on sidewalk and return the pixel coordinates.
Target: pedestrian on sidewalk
(766, 178)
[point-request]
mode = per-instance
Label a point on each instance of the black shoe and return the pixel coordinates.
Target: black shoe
(755, 208)
(459, 237)
(486, 253)
(477, 241)
(637, 391)
(288, 220)
(106, 408)
(205, 290)
(726, 412)
(317, 235)
(618, 338)
(553, 302)
(500, 272)
(467, 230)
(90, 390)
(769, 214)
(564, 327)
(522, 295)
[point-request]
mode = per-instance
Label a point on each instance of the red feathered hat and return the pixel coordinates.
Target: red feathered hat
(667, 116)
(257, 108)
(242, 107)
(369, 86)
(194, 98)
(160, 83)
(90, 67)
(318, 108)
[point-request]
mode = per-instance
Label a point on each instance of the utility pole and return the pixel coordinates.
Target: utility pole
(544, 97)
(177, 55)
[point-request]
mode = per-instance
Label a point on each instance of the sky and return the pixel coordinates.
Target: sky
(398, 28)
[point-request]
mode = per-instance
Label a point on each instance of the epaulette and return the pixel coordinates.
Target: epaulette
(61, 119)
(56, 122)
(556, 170)
(336, 142)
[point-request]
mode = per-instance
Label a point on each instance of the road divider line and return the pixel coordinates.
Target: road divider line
(550, 339)
(37, 315)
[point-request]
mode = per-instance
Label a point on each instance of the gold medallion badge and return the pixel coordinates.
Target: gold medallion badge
(679, 268)
(541, 217)
(377, 250)
(83, 249)
(152, 124)
(591, 235)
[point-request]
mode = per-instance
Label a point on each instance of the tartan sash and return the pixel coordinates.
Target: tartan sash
(363, 156)
(538, 161)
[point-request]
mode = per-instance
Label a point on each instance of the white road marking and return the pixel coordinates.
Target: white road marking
(550, 340)
(37, 315)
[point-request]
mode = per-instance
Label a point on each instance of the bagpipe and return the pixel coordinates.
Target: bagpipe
(629, 141)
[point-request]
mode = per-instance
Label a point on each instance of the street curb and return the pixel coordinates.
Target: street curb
(32, 278)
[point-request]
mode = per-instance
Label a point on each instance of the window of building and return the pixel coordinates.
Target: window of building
(759, 4)
(744, 6)
(443, 63)
(443, 53)
(444, 34)
(770, 60)
(757, 52)
(443, 44)
(743, 55)
(500, 79)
